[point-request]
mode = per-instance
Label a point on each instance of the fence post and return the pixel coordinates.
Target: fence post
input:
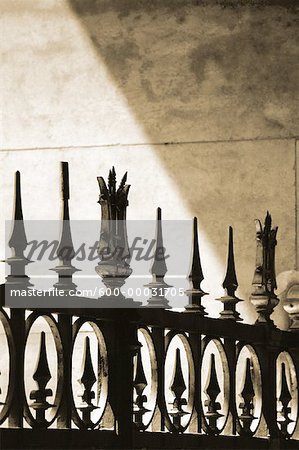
(122, 375)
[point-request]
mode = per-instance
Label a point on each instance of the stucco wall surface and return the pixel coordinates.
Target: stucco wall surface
(185, 70)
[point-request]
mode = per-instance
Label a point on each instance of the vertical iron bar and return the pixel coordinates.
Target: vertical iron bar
(15, 418)
(230, 349)
(121, 377)
(159, 343)
(195, 344)
(65, 410)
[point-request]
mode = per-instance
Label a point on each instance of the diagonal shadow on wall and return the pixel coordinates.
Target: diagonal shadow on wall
(196, 71)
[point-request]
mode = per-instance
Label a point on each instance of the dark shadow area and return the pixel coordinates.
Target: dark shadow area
(200, 71)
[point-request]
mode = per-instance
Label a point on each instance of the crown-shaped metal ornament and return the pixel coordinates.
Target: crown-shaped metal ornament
(113, 248)
(263, 297)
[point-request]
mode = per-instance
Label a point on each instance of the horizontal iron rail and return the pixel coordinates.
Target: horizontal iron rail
(185, 322)
(102, 439)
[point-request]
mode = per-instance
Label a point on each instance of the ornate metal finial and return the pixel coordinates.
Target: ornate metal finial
(140, 383)
(178, 387)
(65, 251)
(247, 395)
(87, 379)
(230, 284)
(113, 248)
(212, 391)
(291, 302)
(158, 270)
(18, 244)
(285, 398)
(264, 281)
(42, 376)
(195, 277)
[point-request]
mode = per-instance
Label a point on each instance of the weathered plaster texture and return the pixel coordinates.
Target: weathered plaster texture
(185, 71)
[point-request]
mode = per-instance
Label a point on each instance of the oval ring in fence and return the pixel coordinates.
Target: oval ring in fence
(43, 370)
(90, 370)
(7, 366)
(215, 386)
(287, 395)
(145, 380)
(248, 391)
(179, 382)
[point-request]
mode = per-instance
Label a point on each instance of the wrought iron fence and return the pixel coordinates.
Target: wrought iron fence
(151, 377)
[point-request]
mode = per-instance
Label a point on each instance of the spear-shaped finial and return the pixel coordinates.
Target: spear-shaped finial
(42, 373)
(158, 270)
(18, 239)
(65, 183)
(140, 383)
(87, 379)
(247, 394)
(18, 244)
(285, 398)
(212, 391)
(195, 277)
(65, 251)
(248, 390)
(88, 376)
(178, 387)
(42, 376)
(230, 284)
